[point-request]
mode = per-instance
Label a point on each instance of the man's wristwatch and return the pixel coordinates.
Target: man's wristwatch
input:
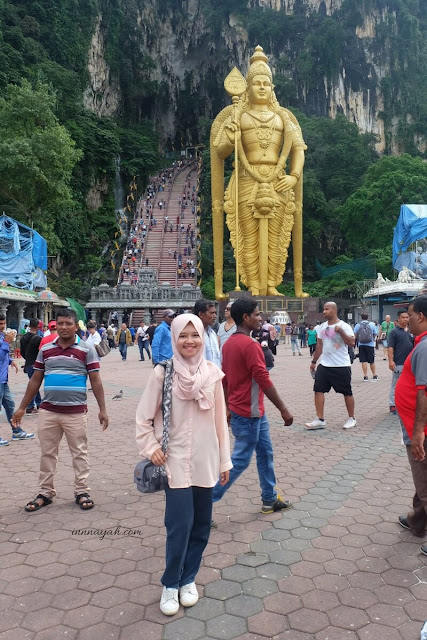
(313, 361)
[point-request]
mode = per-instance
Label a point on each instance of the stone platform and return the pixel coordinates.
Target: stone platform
(335, 567)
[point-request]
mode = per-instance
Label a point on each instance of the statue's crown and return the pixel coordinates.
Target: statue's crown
(259, 65)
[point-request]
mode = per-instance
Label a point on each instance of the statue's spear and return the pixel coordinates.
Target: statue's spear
(235, 86)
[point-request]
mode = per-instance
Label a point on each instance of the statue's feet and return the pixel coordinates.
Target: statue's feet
(301, 294)
(254, 291)
(272, 291)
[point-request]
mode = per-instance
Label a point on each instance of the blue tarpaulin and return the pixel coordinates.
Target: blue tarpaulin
(411, 226)
(23, 252)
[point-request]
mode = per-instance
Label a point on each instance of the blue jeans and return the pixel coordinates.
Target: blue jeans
(188, 517)
(123, 348)
(144, 344)
(251, 434)
(37, 400)
(6, 399)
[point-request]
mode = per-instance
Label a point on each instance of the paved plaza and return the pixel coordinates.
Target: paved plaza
(335, 567)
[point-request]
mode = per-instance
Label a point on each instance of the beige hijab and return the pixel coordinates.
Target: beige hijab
(192, 375)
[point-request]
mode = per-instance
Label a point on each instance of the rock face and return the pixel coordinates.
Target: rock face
(102, 94)
(194, 44)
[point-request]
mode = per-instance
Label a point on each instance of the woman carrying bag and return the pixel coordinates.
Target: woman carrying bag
(197, 452)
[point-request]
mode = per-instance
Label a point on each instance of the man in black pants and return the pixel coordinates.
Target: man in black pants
(29, 347)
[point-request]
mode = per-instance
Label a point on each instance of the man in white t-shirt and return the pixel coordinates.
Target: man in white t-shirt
(334, 371)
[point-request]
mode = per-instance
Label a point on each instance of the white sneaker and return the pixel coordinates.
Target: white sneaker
(351, 422)
(169, 604)
(188, 595)
(316, 424)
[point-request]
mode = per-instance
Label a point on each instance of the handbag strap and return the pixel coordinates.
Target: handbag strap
(166, 402)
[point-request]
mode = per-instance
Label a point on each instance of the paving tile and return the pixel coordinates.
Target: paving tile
(348, 617)
(184, 629)
(272, 571)
(332, 633)
(96, 582)
(320, 600)
(238, 573)
(224, 627)
(282, 603)
(259, 587)
(253, 559)
(243, 605)
(307, 569)
(42, 619)
(308, 621)
(152, 631)
(296, 585)
(100, 631)
(416, 610)
(206, 608)
(267, 622)
(331, 583)
(58, 632)
(32, 602)
(378, 632)
(223, 589)
(83, 617)
(71, 599)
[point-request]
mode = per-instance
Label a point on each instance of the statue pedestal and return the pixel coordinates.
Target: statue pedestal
(299, 309)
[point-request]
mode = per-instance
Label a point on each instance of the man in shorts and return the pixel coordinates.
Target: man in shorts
(334, 337)
(366, 332)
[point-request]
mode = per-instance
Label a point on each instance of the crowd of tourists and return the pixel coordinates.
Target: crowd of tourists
(205, 377)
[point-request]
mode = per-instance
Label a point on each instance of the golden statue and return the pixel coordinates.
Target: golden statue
(265, 138)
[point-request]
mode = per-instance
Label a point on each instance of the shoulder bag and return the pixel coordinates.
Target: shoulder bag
(148, 477)
(102, 349)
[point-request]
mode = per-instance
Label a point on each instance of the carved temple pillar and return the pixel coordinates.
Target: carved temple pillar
(4, 305)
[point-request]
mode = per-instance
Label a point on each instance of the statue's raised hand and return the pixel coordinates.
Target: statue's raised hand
(232, 129)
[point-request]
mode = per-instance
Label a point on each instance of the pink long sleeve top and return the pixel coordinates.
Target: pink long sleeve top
(199, 444)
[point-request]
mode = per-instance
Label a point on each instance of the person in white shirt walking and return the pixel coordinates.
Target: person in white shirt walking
(334, 371)
(93, 338)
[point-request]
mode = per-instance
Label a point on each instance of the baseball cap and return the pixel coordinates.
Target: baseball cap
(52, 324)
(168, 313)
(264, 344)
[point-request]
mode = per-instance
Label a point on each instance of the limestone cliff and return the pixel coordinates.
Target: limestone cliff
(338, 56)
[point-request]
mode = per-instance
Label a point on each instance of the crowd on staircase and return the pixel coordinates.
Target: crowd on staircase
(163, 233)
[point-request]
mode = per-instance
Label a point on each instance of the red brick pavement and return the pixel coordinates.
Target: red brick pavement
(335, 567)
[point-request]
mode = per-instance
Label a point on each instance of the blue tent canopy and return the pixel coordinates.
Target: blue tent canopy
(411, 226)
(23, 254)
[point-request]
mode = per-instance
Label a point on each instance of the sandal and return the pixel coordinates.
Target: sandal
(33, 505)
(85, 504)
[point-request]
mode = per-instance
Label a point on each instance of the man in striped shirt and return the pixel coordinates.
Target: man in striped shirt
(64, 364)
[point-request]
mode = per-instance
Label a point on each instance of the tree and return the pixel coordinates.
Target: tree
(371, 212)
(37, 155)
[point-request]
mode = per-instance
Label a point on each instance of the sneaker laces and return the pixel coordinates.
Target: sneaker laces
(169, 594)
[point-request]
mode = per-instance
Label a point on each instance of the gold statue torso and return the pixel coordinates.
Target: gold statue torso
(262, 138)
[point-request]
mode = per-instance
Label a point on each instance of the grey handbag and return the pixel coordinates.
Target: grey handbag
(148, 477)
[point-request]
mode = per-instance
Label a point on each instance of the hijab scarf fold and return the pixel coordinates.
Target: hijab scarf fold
(192, 375)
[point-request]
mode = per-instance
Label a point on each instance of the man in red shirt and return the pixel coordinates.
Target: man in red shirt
(246, 381)
(411, 405)
(50, 336)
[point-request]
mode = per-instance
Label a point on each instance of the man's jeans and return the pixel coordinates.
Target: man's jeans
(295, 344)
(144, 344)
(37, 400)
(123, 348)
(6, 399)
(188, 517)
(396, 373)
(251, 434)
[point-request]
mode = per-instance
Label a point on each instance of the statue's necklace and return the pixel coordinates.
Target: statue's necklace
(264, 131)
